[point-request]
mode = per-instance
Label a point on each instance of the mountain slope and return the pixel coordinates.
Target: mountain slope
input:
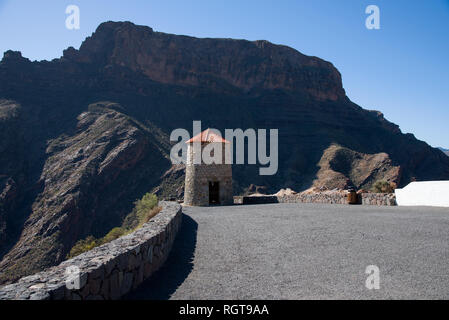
(68, 170)
(446, 151)
(88, 182)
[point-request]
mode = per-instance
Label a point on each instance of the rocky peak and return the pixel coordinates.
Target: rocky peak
(13, 56)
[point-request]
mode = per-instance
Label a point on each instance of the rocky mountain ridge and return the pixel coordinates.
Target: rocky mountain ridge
(446, 151)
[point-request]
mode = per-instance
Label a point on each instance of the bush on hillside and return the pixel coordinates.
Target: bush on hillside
(114, 234)
(383, 186)
(144, 209)
(82, 246)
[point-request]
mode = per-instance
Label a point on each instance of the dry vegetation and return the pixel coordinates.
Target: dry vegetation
(383, 187)
(145, 209)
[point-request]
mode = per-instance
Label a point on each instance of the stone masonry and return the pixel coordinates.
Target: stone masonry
(380, 199)
(198, 176)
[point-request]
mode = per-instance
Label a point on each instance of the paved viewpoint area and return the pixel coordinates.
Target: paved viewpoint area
(305, 251)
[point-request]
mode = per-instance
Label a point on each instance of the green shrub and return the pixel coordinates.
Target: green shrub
(83, 246)
(144, 209)
(382, 186)
(114, 234)
(144, 205)
(142, 212)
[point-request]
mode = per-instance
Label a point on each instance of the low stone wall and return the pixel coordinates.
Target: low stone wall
(319, 197)
(379, 199)
(106, 272)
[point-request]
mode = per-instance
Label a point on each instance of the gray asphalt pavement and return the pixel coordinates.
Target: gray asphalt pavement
(306, 251)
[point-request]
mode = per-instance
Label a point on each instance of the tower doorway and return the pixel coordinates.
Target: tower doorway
(214, 192)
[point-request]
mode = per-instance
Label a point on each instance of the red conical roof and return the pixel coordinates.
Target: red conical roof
(208, 136)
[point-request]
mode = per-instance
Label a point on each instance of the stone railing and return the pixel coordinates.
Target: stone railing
(106, 272)
(380, 199)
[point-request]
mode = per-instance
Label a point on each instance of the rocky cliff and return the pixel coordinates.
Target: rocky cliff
(83, 136)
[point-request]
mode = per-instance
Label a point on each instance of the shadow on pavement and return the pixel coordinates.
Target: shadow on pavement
(163, 283)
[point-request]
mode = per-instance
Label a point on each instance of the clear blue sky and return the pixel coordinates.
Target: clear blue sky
(401, 69)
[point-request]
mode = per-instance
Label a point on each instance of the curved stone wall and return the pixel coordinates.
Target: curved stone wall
(106, 272)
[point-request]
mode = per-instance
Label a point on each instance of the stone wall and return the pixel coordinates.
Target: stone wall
(380, 199)
(106, 272)
(196, 192)
(198, 176)
(317, 197)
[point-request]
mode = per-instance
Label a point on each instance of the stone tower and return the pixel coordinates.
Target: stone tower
(207, 183)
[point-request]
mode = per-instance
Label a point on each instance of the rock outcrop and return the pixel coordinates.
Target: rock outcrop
(191, 61)
(342, 168)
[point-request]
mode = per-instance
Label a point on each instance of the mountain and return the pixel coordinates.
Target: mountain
(85, 135)
(446, 151)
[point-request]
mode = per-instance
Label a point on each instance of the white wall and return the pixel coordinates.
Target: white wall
(426, 193)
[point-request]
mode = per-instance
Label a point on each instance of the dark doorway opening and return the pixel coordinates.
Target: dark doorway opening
(214, 192)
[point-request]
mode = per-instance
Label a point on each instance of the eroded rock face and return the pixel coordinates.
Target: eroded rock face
(341, 168)
(8, 195)
(209, 62)
(71, 166)
(83, 180)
